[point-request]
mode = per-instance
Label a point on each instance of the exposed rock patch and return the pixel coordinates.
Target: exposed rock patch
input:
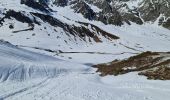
(19, 16)
(81, 31)
(117, 12)
(154, 65)
(84, 31)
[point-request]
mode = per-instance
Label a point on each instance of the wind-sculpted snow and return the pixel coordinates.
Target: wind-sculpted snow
(20, 64)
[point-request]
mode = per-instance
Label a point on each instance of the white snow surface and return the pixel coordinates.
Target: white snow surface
(30, 74)
(20, 64)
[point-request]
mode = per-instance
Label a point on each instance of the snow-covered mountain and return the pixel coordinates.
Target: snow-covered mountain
(48, 48)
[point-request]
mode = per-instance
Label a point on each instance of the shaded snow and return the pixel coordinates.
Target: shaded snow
(20, 64)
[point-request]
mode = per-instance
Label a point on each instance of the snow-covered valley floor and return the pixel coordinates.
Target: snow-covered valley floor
(28, 73)
(40, 75)
(86, 86)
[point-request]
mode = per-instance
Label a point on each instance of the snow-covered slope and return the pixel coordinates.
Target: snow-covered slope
(20, 64)
(51, 47)
(28, 75)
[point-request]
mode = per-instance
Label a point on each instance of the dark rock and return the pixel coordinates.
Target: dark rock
(61, 3)
(19, 16)
(11, 26)
(80, 31)
(41, 5)
(166, 24)
(84, 9)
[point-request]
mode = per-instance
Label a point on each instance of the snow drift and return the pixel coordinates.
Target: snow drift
(20, 64)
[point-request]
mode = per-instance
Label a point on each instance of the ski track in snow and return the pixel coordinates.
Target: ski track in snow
(80, 88)
(69, 80)
(75, 83)
(23, 90)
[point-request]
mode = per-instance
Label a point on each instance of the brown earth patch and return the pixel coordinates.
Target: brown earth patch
(161, 73)
(154, 65)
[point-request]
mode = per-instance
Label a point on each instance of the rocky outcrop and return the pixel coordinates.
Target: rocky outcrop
(19, 16)
(166, 23)
(114, 12)
(118, 11)
(154, 65)
(83, 8)
(82, 31)
(108, 15)
(41, 5)
(61, 2)
(156, 10)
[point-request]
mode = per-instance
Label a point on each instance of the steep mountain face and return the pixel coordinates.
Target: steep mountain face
(78, 22)
(42, 13)
(116, 12)
(61, 2)
(104, 12)
(138, 11)
(156, 10)
(83, 8)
